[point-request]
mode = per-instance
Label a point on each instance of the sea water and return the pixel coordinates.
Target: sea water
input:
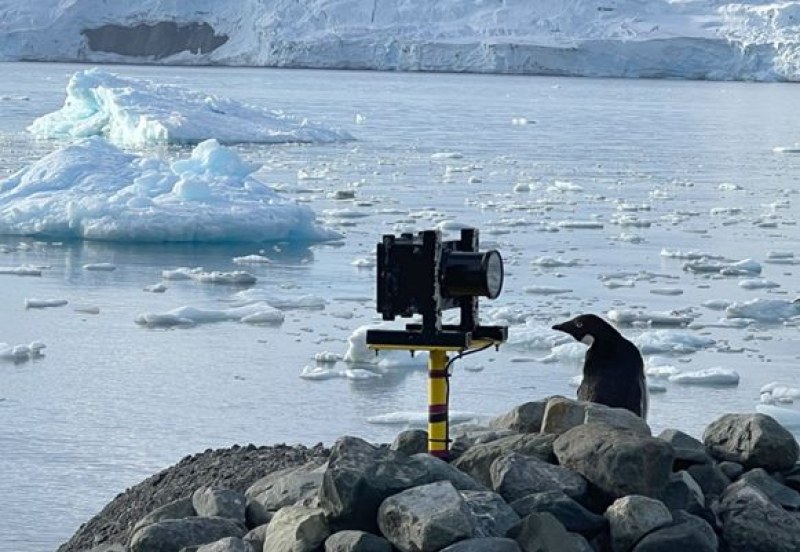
(601, 174)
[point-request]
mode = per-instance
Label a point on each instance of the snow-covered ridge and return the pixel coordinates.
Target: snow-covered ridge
(712, 39)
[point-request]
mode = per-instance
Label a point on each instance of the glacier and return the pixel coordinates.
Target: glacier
(694, 39)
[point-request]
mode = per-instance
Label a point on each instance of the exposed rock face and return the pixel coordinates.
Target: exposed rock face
(174, 534)
(753, 440)
(296, 529)
(478, 459)
(562, 414)
(525, 418)
(155, 41)
(515, 476)
(569, 512)
(632, 517)
(751, 522)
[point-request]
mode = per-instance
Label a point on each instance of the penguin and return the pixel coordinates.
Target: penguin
(613, 372)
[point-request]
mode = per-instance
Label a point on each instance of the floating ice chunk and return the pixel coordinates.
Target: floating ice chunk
(729, 187)
(580, 224)
(358, 352)
(570, 354)
(545, 290)
(738, 268)
(552, 262)
(283, 302)
(360, 373)
(691, 255)
(345, 213)
(418, 418)
(198, 274)
(320, 373)
(447, 155)
(764, 310)
(21, 353)
(532, 337)
(252, 259)
(327, 357)
(564, 186)
(255, 313)
(742, 268)
(615, 284)
(630, 221)
(661, 371)
(519, 121)
(667, 291)
(708, 376)
(651, 318)
(758, 283)
(773, 255)
(100, 267)
(787, 149)
(777, 392)
(23, 270)
(364, 262)
(507, 315)
(520, 187)
(88, 309)
(452, 226)
(671, 341)
(132, 112)
(309, 174)
(265, 317)
(93, 190)
(44, 303)
(716, 304)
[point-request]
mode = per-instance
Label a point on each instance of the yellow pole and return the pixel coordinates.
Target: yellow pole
(437, 404)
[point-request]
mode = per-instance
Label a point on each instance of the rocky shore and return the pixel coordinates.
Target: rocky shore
(555, 475)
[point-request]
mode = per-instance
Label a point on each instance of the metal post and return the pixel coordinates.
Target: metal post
(438, 444)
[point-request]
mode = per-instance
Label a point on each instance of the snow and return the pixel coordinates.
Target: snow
(134, 113)
(711, 39)
(93, 190)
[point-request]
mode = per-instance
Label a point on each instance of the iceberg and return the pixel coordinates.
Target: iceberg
(133, 113)
(93, 190)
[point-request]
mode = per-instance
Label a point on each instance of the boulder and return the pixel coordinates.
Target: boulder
(228, 544)
(711, 478)
(425, 518)
(792, 478)
(618, 462)
(683, 493)
(411, 441)
(173, 534)
(751, 522)
(632, 517)
(525, 418)
(783, 496)
(572, 515)
(466, 436)
(688, 533)
(688, 450)
(753, 440)
(255, 514)
(493, 516)
(477, 460)
(356, 541)
(436, 469)
(177, 509)
(515, 476)
(562, 414)
(255, 538)
(210, 501)
(484, 544)
(287, 487)
(732, 470)
(543, 533)
(296, 529)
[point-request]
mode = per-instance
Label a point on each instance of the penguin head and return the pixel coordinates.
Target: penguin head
(587, 328)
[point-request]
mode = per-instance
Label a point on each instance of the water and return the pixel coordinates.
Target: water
(110, 403)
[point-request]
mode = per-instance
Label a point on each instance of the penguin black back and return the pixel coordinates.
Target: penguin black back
(613, 372)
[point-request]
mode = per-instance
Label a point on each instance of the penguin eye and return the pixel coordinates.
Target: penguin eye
(579, 324)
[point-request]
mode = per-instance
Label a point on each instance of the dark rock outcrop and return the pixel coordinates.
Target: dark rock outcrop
(154, 41)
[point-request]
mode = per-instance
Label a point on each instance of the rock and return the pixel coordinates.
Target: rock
(210, 501)
(753, 440)
(525, 418)
(477, 460)
(425, 518)
(287, 487)
(567, 511)
(688, 533)
(177, 509)
(228, 544)
(173, 534)
(484, 544)
(515, 476)
(436, 469)
(618, 462)
(688, 450)
(493, 516)
(411, 441)
(632, 517)
(255, 514)
(360, 476)
(562, 414)
(711, 479)
(296, 529)
(751, 522)
(792, 479)
(783, 496)
(732, 470)
(465, 436)
(683, 493)
(255, 538)
(578, 543)
(543, 533)
(356, 541)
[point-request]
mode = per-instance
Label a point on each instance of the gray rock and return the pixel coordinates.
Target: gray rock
(209, 501)
(426, 518)
(411, 441)
(173, 534)
(688, 533)
(543, 533)
(781, 495)
(525, 418)
(477, 460)
(356, 541)
(792, 478)
(632, 517)
(255, 514)
(228, 544)
(177, 509)
(688, 450)
(493, 516)
(618, 462)
(711, 479)
(436, 469)
(296, 529)
(683, 493)
(287, 487)
(751, 522)
(484, 544)
(562, 414)
(360, 476)
(732, 470)
(578, 543)
(255, 538)
(572, 515)
(753, 440)
(515, 476)
(465, 436)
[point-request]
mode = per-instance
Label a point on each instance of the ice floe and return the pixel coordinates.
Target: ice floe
(23, 270)
(776, 392)
(44, 303)
(21, 353)
(133, 112)
(199, 274)
(764, 310)
(358, 352)
(649, 318)
(708, 376)
(93, 190)
(671, 342)
(186, 316)
(553, 262)
(545, 290)
(281, 302)
(252, 259)
(758, 283)
(418, 419)
(738, 268)
(533, 336)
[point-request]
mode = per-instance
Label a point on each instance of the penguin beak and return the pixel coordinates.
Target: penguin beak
(565, 327)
